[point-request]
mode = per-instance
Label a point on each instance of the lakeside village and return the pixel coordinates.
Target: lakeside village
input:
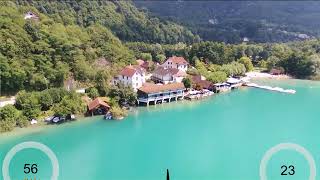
(166, 83)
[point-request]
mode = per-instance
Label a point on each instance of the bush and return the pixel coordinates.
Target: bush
(216, 77)
(187, 82)
(146, 56)
(22, 121)
(193, 71)
(160, 58)
(124, 94)
(117, 112)
(263, 64)
(247, 63)
(8, 117)
(92, 92)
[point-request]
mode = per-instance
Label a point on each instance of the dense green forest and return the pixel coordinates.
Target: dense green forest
(298, 59)
(64, 42)
(89, 41)
(231, 21)
(121, 17)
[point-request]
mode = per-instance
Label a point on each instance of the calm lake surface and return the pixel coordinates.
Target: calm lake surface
(223, 137)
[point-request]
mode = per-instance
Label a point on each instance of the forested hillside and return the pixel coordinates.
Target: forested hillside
(69, 37)
(231, 21)
(42, 53)
(48, 46)
(121, 17)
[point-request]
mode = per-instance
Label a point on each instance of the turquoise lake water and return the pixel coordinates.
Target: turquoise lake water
(223, 137)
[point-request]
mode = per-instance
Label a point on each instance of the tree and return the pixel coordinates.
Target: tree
(8, 117)
(146, 56)
(45, 100)
(117, 112)
(315, 59)
(22, 121)
(39, 82)
(29, 104)
(298, 65)
(247, 63)
(186, 82)
(233, 69)
(124, 94)
(70, 104)
(93, 92)
(263, 64)
(160, 58)
(193, 71)
(200, 66)
(272, 62)
(216, 77)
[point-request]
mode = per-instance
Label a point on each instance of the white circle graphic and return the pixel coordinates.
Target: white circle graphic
(287, 146)
(33, 145)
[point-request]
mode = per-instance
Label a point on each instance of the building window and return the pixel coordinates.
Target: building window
(136, 84)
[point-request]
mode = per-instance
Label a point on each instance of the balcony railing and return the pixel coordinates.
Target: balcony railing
(142, 99)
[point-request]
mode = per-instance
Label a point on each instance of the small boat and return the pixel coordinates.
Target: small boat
(56, 119)
(48, 119)
(33, 121)
(108, 116)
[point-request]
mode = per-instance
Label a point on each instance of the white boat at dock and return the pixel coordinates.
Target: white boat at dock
(195, 94)
(278, 89)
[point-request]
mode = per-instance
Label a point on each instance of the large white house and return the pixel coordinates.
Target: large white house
(168, 75)
(176, 62)
(132, 76)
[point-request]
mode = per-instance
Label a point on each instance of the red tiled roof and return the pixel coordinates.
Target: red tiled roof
(196, 78)
(205, 84)
(164, 71)
(97, 102)
(152, 88)
(143, 64)
(129, 72)
(180, 74)
(178, 60)
(140, 61)
(276, 71)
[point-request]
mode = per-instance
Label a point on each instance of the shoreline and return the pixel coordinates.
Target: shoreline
(261, 75)
(42, 125)
(38, 127)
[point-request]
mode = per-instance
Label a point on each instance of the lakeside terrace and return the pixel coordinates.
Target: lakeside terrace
(160, 93)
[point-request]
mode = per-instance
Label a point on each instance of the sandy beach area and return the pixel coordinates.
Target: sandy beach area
(252, 75)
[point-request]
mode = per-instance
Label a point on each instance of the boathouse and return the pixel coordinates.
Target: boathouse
(221, 87)
(199, 83)
(234, 83)
(160, 93)
(275, 71)
(98, 106)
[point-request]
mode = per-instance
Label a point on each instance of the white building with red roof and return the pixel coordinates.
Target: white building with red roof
(176, 62)
(168, 75)
(132, 76)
